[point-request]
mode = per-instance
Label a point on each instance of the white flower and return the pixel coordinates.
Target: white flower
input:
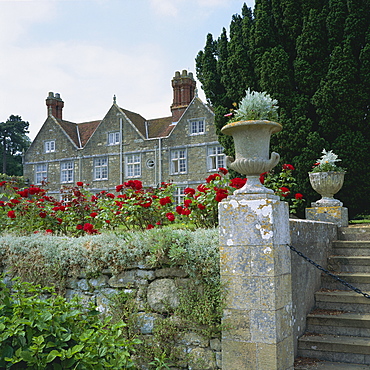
(328, 157)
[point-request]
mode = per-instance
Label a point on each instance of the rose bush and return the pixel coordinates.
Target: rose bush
(130, 206)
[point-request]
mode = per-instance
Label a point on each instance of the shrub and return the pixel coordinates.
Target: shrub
(41, 330)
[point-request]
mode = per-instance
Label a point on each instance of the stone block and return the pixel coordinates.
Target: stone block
(236, 325)
(337, 215)
(124, 279)
(242, 293)
(235, 260)
(162, 295)
(276, 292)
(238, 355)
(253, 220)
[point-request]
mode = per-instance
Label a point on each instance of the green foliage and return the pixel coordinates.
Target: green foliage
(313, 57)
(41, 330)
(13, 141)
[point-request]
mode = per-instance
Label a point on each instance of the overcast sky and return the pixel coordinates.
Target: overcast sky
(90, 50)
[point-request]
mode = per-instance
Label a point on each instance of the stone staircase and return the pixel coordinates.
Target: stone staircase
(338, 329)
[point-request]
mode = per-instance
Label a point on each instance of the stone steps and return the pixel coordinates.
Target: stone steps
(336, 348)
(338, 330)
(349, 263)
(342, 300)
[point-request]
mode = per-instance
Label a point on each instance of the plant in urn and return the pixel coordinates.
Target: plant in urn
(327, 179)
(251, 128)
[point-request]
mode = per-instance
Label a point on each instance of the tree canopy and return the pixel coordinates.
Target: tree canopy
(13, 141)
(313, 56)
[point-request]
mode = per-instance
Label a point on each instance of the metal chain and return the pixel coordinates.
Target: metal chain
(357, 290)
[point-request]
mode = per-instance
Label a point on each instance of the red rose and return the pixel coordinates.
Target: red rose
(202, 188)
(49, 231)
(11, 214)
(88, 227)
(93, 214)
(262, 177)
(201, 206)
(42, 214)
(79, 183)
(170, 216)
(288, 167)
(237, 182)
(186, 211)
(189, 191)
(179, 210)
(284, 191)
(119, 188)
(164, 201)
(150, 226)
(221, 194)
(110, 195)
(79, 227)
(213, 177)
(298, 196)
(187, 202)
(223, 170)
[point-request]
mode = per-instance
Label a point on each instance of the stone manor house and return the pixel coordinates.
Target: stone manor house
(181, 148)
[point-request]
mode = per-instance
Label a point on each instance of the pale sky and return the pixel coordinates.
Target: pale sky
(90, 50)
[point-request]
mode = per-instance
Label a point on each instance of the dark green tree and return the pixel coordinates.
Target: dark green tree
(13, 142)
(314, 57)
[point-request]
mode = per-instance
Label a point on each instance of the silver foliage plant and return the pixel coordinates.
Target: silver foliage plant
(257, 106)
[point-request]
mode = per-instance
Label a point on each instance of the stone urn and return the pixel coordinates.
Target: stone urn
(252, 145)
(327, 184)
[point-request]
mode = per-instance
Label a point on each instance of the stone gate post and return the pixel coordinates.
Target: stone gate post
(256, 273)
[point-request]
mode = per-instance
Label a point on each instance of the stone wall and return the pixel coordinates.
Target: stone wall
(156, 293)
(313, 239)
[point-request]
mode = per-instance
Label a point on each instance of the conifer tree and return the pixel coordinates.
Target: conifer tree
(314, 57)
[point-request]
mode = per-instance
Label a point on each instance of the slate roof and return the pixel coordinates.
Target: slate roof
(80, 133)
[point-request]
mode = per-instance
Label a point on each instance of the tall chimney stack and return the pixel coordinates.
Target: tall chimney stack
(183, 93)
(55, 105)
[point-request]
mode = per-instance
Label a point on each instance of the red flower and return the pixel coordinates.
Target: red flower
(150, 226)
(147, 204)
(237, 182)
(179, 210)
(223, 170)
(42, 214)
(165, 200)
(262, 177)
(93, 214)
(213, 177)
(134, 184)
(107, 221)
(201, 206)
(79, 183)
(284, 191)
(202, 188)
(119, 188)
(23, 193)
(59, 220)
(79, 227)
(189, 191)
(110, 195)
(298, 196)
(15, 201)
(187, 202)
(2, 183)
(221, 194)
(288, 167)
(49, 231)
(11, 214)
(170, 216)
(186, 211)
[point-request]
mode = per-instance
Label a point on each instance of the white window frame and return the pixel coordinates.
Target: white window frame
(114, 138)
(49, 146)
(179, 161)
(197, 127)
(179, 195)
(215, 157)
(41, 173)
(66, 172)
(133, 165)
(100, 168)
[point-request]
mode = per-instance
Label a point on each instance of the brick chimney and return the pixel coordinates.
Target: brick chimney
(55, 105)
(183, 93)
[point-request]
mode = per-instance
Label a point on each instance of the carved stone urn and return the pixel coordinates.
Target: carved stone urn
(327, 184)
(252, 145)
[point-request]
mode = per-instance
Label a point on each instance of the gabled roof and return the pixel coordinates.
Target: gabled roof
(79, 133)
(160, 127)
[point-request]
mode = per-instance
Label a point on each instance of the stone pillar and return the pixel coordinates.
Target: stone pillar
(256, 274)
(336, 214)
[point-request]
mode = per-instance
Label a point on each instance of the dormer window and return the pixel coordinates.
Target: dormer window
(114, 138)
(197, 127)
(49, 146)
